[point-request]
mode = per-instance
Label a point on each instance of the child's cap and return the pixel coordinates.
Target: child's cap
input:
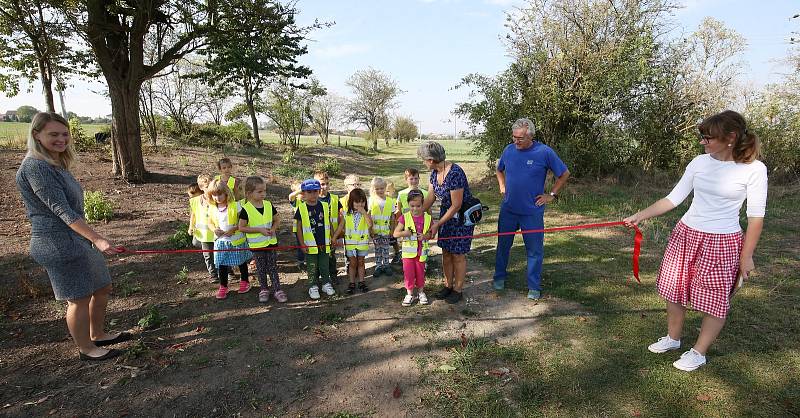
(310, 184)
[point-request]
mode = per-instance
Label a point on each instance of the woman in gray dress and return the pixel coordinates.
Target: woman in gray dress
(61, 240)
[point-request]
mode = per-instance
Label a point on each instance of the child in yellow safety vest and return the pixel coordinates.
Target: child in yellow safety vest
(202, 235)
(355, 227)
(224, 221)
(314, 231)
(258, 219)
(294, 196)
(225, 167)
(381, 209)
(413, 228)
(335, 205)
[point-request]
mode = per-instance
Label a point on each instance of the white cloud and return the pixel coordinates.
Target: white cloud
(343, 50)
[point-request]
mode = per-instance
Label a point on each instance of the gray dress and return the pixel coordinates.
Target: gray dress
(53, 200)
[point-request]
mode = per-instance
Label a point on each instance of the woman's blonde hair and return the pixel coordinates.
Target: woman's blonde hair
(36, 150)
(217, 187)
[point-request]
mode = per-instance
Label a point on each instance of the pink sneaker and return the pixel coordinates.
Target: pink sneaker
(280, 296)
(222, 293)
(244, 286)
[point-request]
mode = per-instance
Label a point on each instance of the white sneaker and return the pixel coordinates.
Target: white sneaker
(664, 344)
(423, 298)
(328, 289)
(408, 300)
(690, 360)
(313, 292)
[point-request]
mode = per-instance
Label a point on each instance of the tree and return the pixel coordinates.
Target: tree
(25, 113)
(326, 112)
(216, 103)
(375, 94)
(604, 85)
(288, 107)
(259, 43)
(404, 129)
(180, 96)
(37, 44)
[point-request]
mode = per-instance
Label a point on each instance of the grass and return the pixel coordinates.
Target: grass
(13, 135)
(594, 362)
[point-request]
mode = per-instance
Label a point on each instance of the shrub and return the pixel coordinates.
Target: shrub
(289, 158)
(153, 319)
(82, 141)
(181, 238)
(210, 135)
(293, 171)
(97, 207)
(330, 166)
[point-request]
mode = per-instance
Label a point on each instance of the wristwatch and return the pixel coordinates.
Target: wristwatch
(555, 196)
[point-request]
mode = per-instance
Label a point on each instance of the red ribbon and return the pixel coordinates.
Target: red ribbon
(637, 242)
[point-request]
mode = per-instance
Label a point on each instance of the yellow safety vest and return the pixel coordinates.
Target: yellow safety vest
(200, 210)
(381, 219)
(355, 238)
(238, 237)
(402, 198)
(409, 247)
(256, 220)
(308, 233)
(231, 182)
(334, 208)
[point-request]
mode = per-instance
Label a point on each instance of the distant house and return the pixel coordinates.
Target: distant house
(10, 116)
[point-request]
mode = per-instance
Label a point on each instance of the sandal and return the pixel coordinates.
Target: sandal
(363, 287)
(351, 288)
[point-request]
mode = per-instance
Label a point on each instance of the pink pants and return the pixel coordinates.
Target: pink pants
(414, 273)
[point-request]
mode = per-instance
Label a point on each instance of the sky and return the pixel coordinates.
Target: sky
(427, 46)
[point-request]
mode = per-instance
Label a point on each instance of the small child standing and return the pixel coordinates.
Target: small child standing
(202, 234)
(259, 220)
(224, 221)
(412, 180)
(413, 227)
(381, 209)
(314, 231)
(336, 212)
(295, 195)
(225, 167)
(355, 229)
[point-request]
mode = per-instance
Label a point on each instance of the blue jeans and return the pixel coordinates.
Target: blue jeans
(534, 245)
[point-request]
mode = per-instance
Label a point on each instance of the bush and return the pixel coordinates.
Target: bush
(82, 141)
(293, 171)
(330, 166)
(181, 238)
(153, 319)
(209, 134)
(97, 207)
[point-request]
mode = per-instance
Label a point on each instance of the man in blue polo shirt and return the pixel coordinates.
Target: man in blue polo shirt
(521, 173)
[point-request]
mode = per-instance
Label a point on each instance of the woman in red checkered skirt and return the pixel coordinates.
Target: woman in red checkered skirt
(707, 251)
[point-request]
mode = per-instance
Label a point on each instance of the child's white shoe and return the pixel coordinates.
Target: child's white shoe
(423, 298)
(408, 300)
(664, 344)
(328, 289)
(313, 292)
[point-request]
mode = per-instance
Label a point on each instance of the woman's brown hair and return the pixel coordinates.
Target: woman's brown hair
(746, 146)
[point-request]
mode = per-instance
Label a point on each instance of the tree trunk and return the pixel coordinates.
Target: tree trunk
(374, 141)
(126, 132)
(47, 85)
(252, 110)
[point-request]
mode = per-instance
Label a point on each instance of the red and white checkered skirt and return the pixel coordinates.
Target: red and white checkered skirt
(699, 269)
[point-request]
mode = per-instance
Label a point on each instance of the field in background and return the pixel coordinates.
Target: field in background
(14, 135)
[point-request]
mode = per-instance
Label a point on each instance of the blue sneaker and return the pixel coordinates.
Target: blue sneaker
(534, 294)
(499, 284)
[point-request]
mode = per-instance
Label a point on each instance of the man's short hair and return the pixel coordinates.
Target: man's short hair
(524, 123)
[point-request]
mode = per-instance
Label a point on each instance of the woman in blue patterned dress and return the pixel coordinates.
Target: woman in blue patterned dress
(448, 182)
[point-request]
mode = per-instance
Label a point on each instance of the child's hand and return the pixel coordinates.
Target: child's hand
(191, 230)
(273, 232)
(266, 231)
(304, 250)
(218, 232)
(229, 233)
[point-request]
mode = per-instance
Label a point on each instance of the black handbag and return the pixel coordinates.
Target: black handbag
(471, 212)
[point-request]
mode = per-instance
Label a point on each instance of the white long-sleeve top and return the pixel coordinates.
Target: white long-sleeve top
(720, 188)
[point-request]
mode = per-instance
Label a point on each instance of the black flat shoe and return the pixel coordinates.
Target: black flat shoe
(111, 354)
(453, 297)
(122, 337)
(444, 293)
